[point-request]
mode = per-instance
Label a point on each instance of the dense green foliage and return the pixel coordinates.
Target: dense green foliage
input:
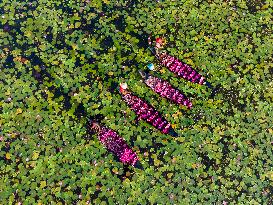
(62, 60)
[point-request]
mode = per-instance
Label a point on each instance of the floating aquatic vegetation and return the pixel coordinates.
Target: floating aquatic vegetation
(224, 153)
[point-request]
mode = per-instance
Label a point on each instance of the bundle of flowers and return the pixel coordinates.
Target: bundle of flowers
(165, 89)
(146, 112)
(116, 144)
